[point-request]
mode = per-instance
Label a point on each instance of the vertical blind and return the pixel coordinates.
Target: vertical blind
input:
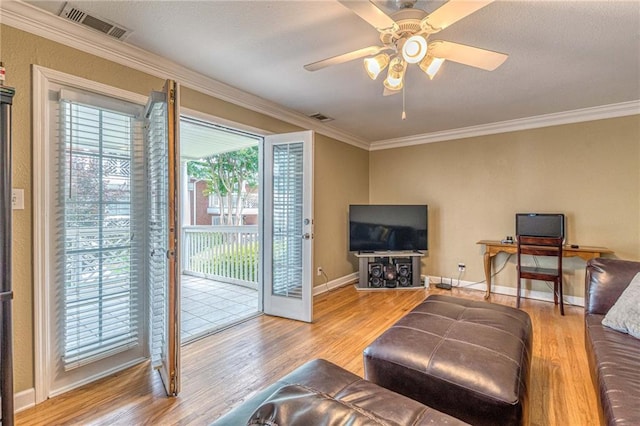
(99, 236)
(287, 219)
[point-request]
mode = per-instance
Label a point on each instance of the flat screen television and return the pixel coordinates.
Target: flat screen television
(540, 224)
(384, 227)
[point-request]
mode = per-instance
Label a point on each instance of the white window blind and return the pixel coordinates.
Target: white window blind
(100, 230)
(287, 219)
(157, 158)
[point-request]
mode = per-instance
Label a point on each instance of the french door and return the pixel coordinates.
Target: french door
(95, 310)
(108, 204)
(162, 145)
(288, 225)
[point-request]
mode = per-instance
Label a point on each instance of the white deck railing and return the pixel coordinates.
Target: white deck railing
(222, 253)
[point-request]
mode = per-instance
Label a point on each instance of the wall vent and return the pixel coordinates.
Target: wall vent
(320, 117)
(105, 26)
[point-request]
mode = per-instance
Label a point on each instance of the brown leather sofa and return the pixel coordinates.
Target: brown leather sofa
(321, 393)
(614, 357)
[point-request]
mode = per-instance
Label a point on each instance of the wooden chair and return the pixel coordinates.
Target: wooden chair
(541, 246)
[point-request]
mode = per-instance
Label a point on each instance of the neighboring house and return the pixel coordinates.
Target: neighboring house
(205, 209)
(199, 204)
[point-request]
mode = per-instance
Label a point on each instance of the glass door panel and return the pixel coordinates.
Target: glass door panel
(288, 225)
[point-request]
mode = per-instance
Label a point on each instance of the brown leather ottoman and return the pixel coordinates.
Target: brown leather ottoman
(466, 358)
(321, 393)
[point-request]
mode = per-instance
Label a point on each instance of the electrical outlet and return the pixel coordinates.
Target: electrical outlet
(17, 199)
(319, 271)
(461, 267)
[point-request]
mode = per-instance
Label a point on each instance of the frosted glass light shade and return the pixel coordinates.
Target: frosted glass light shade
(375, 65)
(395, 77)
(414, 49)
(431, 65)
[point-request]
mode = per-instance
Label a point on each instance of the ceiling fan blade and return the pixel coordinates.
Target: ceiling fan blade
(370, 13)
(345, 57)
(467, 55)
(451, 12)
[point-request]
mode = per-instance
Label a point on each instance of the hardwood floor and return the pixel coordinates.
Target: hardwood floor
(221, 371)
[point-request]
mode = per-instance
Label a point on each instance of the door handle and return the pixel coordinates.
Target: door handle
(306, 236)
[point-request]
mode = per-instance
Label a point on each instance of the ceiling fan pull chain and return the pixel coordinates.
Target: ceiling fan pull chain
(404, 114)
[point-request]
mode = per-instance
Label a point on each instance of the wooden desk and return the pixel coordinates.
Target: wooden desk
(492, 248)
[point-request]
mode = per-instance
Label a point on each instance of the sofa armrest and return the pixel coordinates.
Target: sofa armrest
(605, 281)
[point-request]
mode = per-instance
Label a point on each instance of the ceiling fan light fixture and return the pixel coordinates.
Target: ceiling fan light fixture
(395, 77)
(414, 49)
(431, 65)
(375, 65)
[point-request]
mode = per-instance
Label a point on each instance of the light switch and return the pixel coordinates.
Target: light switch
(17, 199)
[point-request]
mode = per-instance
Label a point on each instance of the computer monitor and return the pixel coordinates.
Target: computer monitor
(540, 224)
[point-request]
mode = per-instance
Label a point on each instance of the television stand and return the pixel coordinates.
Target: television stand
(389, 270)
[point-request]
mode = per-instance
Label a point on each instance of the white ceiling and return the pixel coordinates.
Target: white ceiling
(563, 56)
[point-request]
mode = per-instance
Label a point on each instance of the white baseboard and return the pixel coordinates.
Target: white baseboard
(23, 400)
(546, 296)
(338, 282)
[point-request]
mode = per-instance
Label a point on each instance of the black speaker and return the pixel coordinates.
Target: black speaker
(376, 272)
(403, 270)
(390, 273)
(390, 276)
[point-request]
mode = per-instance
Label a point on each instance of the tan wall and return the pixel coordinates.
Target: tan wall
(19, 50)
(589, 171)
(341, 178)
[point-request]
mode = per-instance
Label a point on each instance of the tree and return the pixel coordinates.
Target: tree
(228, 174)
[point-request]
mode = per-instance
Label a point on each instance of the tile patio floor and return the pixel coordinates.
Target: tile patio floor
(208, 306)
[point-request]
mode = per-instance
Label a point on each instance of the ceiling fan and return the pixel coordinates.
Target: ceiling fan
(405, 40)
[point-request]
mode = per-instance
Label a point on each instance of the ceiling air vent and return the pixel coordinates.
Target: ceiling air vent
(105, 26)
(320, 117)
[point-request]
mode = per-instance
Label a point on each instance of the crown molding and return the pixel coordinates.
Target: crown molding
(567, 117)
(26, 17)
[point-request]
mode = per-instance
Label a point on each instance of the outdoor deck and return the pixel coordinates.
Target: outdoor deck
(208, 306)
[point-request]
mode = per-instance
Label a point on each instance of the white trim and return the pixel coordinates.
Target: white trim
(546, 296)
(23, 400)
(44, 24)
(214, 119)
(93, 378)
(262, 220)
(40, 236)
(43, 78)
(567, 117)
(338, 282)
